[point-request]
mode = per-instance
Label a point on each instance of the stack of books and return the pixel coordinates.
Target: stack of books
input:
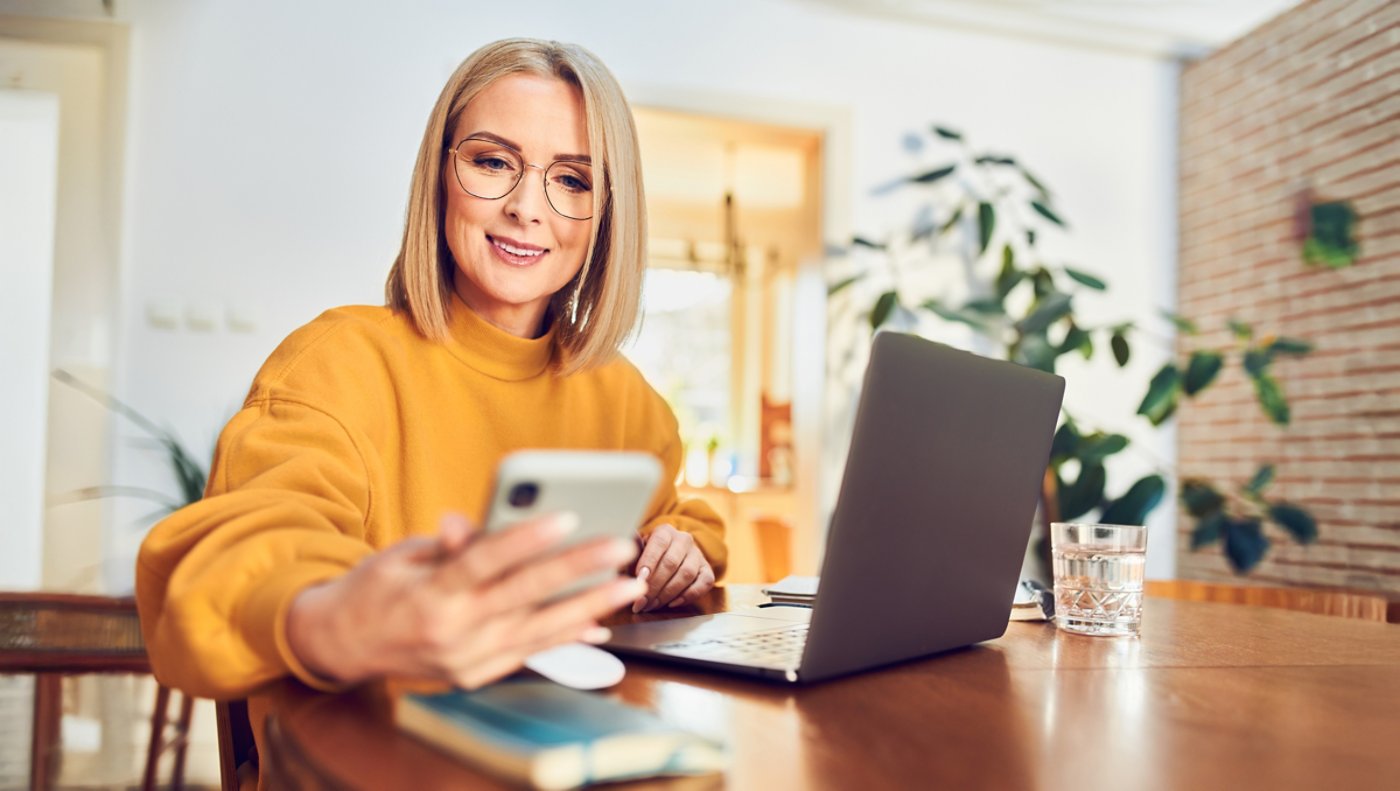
(793, 590)
(553, 737)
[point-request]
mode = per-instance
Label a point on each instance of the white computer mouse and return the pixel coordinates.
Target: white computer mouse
(578, 665)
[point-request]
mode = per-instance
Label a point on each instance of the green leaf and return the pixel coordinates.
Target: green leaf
(952, 221)
(1035, 183)
(932, 176)
(1208, 530)
(1201, 370)
(1245, 544)
(1043, 282)
(1331, 240)
(946, 133)
(961, 317)
(1134, 506)
(1048, 310)
(1097, 447)
(1047, 213)
(990, 306)
(1119, 344)
(1271, 399)
(1084, 494)
(1030, 237)
(883, 307)
(842, 285)
(1182, 323)
(1298, 522)
(1077, 338)
(1066, 442)
(1160, 401)
(1261, 480)
(986, 223)
(994, 160)
(1200, 498)
(860, 241)
(1294, 346)
(1009, 276)
(1242, 331)
(1086, 279)
(1257, 361)
(1035, 351)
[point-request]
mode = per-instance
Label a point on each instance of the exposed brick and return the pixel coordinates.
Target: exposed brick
(1306, 101)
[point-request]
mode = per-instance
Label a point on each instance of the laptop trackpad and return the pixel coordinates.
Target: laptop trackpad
(706, 627)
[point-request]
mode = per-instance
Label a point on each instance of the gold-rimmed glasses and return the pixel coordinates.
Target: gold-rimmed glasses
(489, 170)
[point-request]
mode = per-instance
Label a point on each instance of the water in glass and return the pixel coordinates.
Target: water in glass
(1099, 590)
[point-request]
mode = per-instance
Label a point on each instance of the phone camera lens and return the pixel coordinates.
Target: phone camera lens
(523, 495)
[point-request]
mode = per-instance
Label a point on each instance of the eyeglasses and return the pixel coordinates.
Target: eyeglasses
(488, 170)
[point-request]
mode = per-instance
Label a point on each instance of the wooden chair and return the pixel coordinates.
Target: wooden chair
(774, 546)
(1347, 604)
(236, 745)
(53, 635)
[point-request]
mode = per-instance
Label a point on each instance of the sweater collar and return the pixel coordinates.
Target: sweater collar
(493, 351)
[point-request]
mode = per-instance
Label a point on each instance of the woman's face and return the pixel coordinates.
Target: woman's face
(514, 253)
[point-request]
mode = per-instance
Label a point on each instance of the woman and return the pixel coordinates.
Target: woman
(330, 545)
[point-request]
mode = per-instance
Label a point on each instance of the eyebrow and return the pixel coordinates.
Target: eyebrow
(495, 138)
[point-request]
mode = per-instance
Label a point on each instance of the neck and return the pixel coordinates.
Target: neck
(522, 321)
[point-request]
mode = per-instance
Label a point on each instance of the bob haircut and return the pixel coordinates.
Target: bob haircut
(596, 311)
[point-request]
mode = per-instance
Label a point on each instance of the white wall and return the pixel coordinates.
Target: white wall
(271, 145)
(28, 189)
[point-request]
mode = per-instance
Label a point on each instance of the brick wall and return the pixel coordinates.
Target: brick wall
(1309, 100)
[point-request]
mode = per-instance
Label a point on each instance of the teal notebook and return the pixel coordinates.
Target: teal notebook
(550, 736)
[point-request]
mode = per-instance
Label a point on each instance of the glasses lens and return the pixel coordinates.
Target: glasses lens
(569, 187)
(486, 169)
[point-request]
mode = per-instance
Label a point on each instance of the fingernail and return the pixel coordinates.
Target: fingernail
(597, 634)
(676, 603)
(645, 574)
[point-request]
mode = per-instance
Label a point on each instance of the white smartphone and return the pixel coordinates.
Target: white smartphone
(609, 490)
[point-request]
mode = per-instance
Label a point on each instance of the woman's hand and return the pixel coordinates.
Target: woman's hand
(461, 607)
(674, 569)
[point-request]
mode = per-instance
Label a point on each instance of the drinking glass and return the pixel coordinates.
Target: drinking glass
(1098, 577)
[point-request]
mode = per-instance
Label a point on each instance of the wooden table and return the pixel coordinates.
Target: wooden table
(1210, 696)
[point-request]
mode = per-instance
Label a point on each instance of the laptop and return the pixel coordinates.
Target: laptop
(925, 545)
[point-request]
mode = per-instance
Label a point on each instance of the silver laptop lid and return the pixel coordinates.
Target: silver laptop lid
(935, 509)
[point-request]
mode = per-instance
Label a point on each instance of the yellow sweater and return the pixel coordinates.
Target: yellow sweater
(357, 433)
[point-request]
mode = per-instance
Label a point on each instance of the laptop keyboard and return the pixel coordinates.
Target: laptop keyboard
(775, 648)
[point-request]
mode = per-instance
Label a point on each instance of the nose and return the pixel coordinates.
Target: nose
(527, 203)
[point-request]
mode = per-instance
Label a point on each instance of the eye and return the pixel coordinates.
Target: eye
(493, 162)
(572, 181)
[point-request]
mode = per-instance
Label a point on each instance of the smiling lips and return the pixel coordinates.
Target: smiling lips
(515, 253)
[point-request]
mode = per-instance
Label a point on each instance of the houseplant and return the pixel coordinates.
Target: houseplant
(981, 216)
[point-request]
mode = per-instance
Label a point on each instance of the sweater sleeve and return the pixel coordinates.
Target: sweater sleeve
(694, 516)
(286, 506)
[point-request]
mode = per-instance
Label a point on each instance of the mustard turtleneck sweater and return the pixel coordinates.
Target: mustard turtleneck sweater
(357, 433)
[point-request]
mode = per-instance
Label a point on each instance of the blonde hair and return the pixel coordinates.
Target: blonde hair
(596, 311)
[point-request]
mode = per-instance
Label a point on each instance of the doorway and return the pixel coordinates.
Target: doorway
(734, 211)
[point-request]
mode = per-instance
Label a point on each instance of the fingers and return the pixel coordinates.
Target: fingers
(675, 570)
(685, 575)
(569, 620)
(704, 582)
(574, 615)
(654, 547)
(496, 553)
(653, 551)
(537, 582)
